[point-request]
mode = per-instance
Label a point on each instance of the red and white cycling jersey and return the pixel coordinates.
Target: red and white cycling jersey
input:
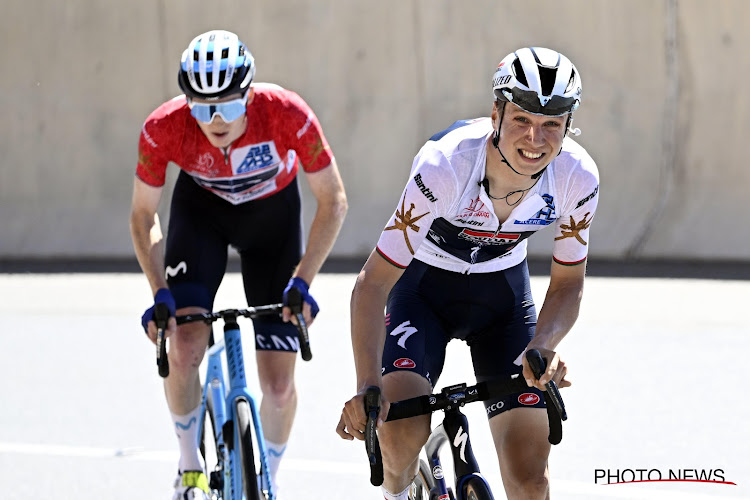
(282, 133)
(445, 218)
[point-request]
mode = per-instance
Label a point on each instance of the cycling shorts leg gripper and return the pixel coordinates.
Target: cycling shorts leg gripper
(272, 334)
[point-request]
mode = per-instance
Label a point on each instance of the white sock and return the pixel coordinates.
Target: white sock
(186, 428)
(404, 495)
(274, 452)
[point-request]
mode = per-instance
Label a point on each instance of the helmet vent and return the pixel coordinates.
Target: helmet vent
(547, 77)
(520, 75)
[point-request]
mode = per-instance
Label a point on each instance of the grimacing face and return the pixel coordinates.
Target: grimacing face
(528, 141)
(219, 133)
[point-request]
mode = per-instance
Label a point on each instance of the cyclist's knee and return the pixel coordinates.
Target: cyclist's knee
(187, 347)
(280, 391)
(526, 486)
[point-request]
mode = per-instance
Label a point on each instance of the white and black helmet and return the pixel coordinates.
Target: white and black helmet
(538, 80)
(216, 64)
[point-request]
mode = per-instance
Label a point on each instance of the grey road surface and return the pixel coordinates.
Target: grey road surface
(657, 367)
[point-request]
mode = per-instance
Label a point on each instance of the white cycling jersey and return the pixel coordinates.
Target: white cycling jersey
(445, 218)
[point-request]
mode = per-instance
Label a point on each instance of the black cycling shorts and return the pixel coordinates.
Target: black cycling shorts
(493, 312)
(267, 233)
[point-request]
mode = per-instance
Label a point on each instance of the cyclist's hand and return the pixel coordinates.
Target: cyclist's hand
(354, 420)
(309, 306)
(163, 295)
(556, 370)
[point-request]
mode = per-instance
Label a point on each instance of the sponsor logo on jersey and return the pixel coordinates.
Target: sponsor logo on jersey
(488, 237)
(583, 201)
(574, 229)
(475, 209)
(314, 150)
(528, 398)
(543, 217)
(405, 221)
(205, 164)
(425, 190)
(254, 157)
(404, 363)
(470, 222)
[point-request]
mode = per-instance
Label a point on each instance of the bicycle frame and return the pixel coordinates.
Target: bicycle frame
(454, 430)
(223, 407)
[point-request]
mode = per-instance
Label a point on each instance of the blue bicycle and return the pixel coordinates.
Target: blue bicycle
(470, 484)
(231, 414)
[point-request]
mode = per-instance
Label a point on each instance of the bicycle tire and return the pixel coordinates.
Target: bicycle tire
(423, 483)
(214, 465)
(476, 489)
(246, 456)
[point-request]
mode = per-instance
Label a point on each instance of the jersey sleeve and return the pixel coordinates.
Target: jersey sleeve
(152, 160)
(572, 228)
(428, 194)
(305, 135)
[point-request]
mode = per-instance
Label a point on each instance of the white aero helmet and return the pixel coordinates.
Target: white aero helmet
(538, 80)
(216, 64)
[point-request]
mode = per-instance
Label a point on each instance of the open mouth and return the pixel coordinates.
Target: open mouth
(529, 155)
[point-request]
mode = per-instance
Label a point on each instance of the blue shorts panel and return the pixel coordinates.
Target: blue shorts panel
(493, 313)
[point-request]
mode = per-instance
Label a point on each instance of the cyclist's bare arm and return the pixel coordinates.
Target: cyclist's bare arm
(148, 240)
(557, 316)
(328, 189)
(368, 337)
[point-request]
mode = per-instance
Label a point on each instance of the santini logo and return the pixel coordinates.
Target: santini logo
(425, 190)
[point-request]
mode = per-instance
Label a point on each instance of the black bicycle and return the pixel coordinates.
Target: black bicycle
(454, 430)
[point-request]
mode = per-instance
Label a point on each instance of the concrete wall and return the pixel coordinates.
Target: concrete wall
(664, 106)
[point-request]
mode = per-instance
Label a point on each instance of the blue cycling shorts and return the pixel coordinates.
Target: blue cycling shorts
(267, 234)
(493, 313)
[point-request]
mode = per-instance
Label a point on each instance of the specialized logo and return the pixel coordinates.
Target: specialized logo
(573, 230)
(495, 407)
(528, 399)
(583, 201)
(488, 237)
(460, 441)
(171, 272)
(475, 209)
(405, 221)
(405, 330)
(404, 363)
(257, 157)
(425, 190)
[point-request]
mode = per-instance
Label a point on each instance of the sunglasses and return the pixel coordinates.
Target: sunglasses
(229, 111)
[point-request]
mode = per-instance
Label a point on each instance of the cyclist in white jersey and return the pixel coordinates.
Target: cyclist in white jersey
(451, 263)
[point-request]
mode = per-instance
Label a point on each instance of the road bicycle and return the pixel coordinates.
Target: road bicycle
(238, 466)
(430, 482)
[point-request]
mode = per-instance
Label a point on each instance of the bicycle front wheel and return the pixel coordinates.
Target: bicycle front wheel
(244, 441)
(476, 489)
(423, 483)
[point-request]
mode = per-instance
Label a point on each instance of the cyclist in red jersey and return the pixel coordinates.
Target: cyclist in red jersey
(239, 146)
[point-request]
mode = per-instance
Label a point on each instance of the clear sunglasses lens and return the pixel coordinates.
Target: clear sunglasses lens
(228, 111)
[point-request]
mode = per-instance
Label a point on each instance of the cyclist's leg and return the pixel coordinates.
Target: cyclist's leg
(270, 250)
(518, 422)
(195, 258)
(413, 358)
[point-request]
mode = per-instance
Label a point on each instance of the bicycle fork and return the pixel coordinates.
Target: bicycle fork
(454, 431)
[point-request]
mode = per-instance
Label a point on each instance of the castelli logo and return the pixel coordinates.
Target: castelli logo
(528, 398)
(405, 363)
